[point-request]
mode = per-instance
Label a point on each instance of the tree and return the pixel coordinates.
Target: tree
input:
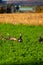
(38, 8)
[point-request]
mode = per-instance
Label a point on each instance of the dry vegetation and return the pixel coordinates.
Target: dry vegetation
(25, 18)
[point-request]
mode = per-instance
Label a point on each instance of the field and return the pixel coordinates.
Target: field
(25, 18)
(28, 52)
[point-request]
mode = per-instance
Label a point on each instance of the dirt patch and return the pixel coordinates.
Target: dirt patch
(25, 18)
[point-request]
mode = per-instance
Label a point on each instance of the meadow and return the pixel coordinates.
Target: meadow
(28, 52)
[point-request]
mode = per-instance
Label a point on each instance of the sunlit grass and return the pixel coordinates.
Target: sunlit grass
(29, 52)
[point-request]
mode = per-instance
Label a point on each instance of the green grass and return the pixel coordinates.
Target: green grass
(28, 52)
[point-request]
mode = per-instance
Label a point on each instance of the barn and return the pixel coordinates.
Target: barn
(19, 5)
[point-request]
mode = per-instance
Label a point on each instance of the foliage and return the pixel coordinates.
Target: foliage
(39, 8)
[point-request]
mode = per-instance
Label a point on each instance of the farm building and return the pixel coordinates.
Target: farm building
(19, 5)
(26, 5)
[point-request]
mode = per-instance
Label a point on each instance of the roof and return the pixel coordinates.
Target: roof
(26, 2)
(23, 2)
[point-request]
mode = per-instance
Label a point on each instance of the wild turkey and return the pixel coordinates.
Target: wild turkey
(20, 38)
(40, 39)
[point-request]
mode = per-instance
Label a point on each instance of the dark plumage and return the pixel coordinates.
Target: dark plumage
(40, 39)
(20, 38)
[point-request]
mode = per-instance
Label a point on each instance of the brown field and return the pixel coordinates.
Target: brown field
(25, 18)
